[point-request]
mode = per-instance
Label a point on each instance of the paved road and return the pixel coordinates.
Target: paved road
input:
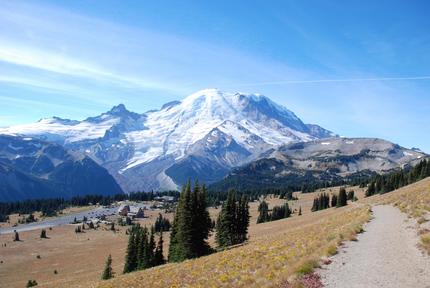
(63, 220)
(386, 255)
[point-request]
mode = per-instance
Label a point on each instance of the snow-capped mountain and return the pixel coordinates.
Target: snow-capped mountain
(203, 136)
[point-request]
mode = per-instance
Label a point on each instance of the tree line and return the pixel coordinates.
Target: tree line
(381, 184)
(278, 212)
(323, 201)
(216, 197)
(50, 207)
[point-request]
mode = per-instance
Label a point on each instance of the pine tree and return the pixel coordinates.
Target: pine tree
(350, 195)
(315, 205)
(181, 236)
(300, 211)
(191, 225)
(201, 221)
(131, 254)
(263, 209)
(31, 283)
(142, 244)
(150, 249)
(226, 223)
(43, 233)
(243, 219)
(107, 272)
(342, 198)
(333, 200)
(233, 221)
(371, 189)
(158, 255)
(16, 237)
(287, 210)
(161, 224)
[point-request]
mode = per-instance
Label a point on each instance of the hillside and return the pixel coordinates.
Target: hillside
(34, 169)
(275, 256)
(331, 160)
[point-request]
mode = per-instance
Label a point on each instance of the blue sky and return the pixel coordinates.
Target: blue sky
(358, 68)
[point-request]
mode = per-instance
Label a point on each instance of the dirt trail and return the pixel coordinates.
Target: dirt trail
(386, 255)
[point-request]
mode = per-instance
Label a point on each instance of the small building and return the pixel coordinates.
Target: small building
(123, 210)
(136, 212)
(165, 198)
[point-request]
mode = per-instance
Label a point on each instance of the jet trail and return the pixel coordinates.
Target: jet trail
(336, 80)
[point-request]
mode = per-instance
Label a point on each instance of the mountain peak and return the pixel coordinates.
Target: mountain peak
(118, 109)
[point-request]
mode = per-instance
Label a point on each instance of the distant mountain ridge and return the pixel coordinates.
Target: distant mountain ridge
(34, 169)
(203, 136)
(319, 161)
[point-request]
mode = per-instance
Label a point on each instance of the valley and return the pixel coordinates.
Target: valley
(219, 144)
(79, 258)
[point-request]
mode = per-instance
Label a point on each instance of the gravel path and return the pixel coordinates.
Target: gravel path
(386, 255)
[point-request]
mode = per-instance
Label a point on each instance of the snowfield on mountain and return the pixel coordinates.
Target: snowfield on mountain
(150, 150)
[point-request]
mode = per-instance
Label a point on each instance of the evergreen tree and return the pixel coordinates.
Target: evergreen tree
(31, 283)
(161, 224)
(158, 255)
(315, 205)
(321, 202)
(131, 254)
(391, 181)
(16, 237)
(226, 223)
(263, 210)
(43, 233)
(333, 200)
(287, 210)
(181, 236)
(300, 211)
(342, 198)
(371, 189)
(201, 221)
(233, 221)
(107, 272)
(243, 219)
(350, 195)
(142, 246)
(191, 225)
(150, 248)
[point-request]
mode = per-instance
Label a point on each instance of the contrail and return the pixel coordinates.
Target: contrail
(337, 80)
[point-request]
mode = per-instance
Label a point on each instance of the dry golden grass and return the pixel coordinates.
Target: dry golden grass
(265, 262)
(282, 249)
(425, 242)
(79, 258)
(13, 219)
(275, 252)
(413, 199)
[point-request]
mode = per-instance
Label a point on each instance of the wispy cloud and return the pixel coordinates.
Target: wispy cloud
(377, 79)
(120, 56)
(64, 63)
